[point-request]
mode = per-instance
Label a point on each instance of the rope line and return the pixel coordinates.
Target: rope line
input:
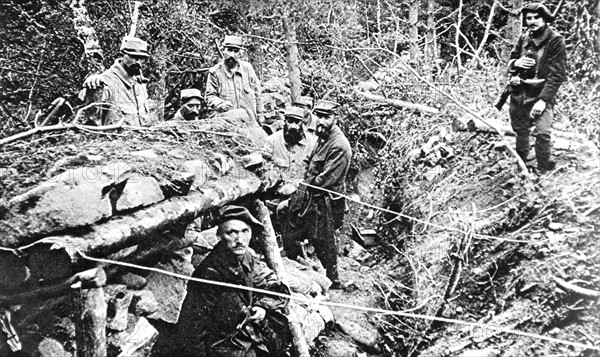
(477, 236)
(492, 329)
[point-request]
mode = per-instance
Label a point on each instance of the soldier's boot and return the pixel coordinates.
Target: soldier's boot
(543, 152)
(333, 275)
(523, 146)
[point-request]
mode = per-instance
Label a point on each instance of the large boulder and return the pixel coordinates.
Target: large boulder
(74, 198)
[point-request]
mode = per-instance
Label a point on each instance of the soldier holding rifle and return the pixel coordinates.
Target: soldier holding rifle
(537, 67)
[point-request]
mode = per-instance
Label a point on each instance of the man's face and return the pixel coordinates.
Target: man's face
(191, 109)
(236, 234)
(324, 124)
(534, 21)
(133, 64)
(292, 129)
(232, 56)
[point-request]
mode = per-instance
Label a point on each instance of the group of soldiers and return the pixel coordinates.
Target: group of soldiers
(316, 155)
(313, 155)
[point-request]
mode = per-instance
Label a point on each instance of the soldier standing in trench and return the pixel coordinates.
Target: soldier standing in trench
(317, 213)
(537, 67)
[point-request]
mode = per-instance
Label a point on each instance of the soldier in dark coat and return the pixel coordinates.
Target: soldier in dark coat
(537, 67)
(314, 213)
(222, 321)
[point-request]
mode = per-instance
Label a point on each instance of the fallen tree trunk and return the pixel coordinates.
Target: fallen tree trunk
(123, 232)
(399, 103)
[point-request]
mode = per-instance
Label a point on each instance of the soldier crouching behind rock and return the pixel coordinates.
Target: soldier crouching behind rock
(223, 321)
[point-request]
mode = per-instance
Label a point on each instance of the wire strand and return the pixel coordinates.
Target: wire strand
(493, 329)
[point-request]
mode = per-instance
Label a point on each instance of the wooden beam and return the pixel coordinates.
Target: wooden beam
(90, 317)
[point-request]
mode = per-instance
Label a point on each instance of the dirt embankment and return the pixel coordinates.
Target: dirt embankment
(487, 245)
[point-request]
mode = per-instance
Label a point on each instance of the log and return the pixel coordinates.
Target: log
(399, 103)
(268, 240)
(122, 232)
(86, 278)
(90, 318)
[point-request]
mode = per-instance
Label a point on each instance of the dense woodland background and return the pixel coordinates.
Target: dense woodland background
(445, 54)
(323, 47)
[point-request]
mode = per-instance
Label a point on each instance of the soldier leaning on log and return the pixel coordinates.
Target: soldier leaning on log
(537, 67)
(122, 87)
(233, 84)
(221, 321)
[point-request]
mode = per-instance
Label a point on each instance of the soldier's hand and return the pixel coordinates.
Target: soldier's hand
(225, 106)
(288, 188)
(258, 313)
(94, 81)
(538, 109)
(525, 62)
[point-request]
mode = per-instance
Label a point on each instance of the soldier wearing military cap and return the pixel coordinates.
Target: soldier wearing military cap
(233, 84)
(122, 86)
(221, 321)
(316, 211)
(537, 67)
(191, 102)
(310, 120)
(290, 146)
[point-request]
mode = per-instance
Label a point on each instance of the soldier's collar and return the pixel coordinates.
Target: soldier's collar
(539, 40)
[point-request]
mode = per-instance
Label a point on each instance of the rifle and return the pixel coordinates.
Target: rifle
(503, 97)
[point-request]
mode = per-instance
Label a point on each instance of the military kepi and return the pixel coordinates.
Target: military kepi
(325, 107)
(187, 94)
(294, 112)
(240, 213)
(304, 101)
(134, 46)
(233, 41)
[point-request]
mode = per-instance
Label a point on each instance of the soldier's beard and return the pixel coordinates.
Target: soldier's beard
(292, 135)
(231, 62)
(133, 70)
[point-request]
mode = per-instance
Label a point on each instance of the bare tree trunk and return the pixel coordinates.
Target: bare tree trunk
(413, 20)
(291, 53)
(457, 38)
(514, 24)
(431, 51)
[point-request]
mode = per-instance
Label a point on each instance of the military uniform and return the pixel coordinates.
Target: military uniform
(317, 214)
(241, 87)
(548, 50)
(216, 318)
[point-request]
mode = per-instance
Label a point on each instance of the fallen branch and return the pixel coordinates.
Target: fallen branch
(565, 285)
(399, 103)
